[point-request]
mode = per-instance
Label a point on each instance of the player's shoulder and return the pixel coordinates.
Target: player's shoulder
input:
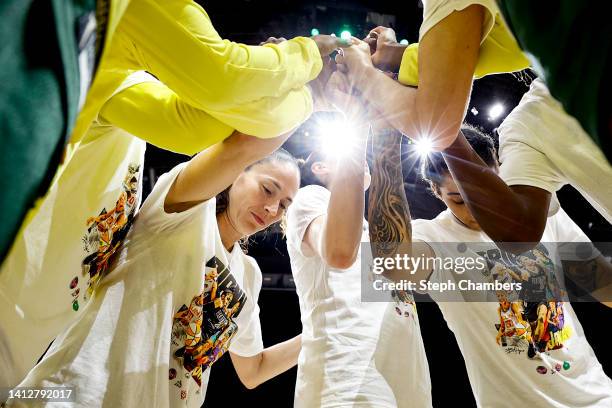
(312, 191)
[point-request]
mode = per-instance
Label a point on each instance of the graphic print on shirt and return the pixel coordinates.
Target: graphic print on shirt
(202, 331)
(530, 321)
(404, 303)
(104, 235)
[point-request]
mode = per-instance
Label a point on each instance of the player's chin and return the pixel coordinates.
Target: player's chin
(250, 227)
(474, 225)
(470, 221)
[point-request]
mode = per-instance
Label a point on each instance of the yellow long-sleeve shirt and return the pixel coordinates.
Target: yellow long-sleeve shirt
(257, 90)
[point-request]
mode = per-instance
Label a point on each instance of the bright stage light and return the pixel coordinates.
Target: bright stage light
(346, 34)
(336, 137)
(314, 31)
(404, 42)
(423, 147)
(495, 111)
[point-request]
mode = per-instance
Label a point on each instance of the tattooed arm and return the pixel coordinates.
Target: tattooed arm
(388, 210)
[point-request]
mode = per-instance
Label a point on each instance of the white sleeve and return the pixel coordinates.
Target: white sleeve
(521, 163)
(248, 341)
(153, 213)
(435, 11)
(310, 202)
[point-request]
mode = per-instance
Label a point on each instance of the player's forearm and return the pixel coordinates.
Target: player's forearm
(388, 210)
(226, 160)
(447, 57)
(277, 359)
(343, 227)
(392, 100)
(505, 216)
(391, 57)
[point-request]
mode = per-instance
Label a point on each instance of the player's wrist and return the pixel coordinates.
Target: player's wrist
(390, 57)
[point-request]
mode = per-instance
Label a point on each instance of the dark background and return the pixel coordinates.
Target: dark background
(251, 22)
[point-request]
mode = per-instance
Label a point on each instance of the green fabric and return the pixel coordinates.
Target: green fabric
(568, 42)
(40, 88)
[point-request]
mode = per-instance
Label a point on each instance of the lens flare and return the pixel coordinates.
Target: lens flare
(423, 146)
(495, 111)
(336, 137)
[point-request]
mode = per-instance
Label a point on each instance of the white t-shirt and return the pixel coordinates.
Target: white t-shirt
(60, 256)
(353, 353)
(540, 145)
(435, 11)
(173, 303)
(564, 372)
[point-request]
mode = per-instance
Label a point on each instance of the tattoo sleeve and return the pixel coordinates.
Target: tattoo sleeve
(388, 210)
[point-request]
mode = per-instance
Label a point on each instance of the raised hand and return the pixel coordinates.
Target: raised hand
(328, 43)
(355, 58)
(380, 37)
(386, 52)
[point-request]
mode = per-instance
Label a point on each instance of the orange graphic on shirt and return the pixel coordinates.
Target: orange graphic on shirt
(202, 332)
(107, 231)
(531, 320)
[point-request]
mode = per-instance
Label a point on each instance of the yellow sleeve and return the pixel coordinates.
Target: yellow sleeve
(409, 67)
(499, 53)
(187, 54)
(269, 117)
(153, 112)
